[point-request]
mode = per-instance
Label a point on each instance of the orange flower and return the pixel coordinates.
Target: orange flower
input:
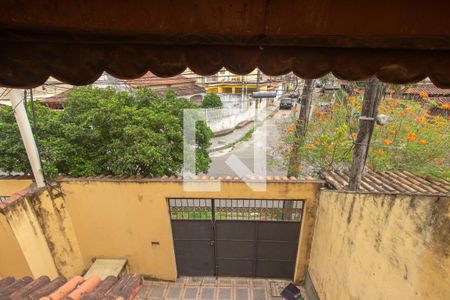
(387, 142)
(393, 132)
(411, 136)
(354, 135)
(291, 128)
(423, 95)
(445, 106)
(421, 120)
(408, 109)
(310, 146)
(381, 107)
(423, 142)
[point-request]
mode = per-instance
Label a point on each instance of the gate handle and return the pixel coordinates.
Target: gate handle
(211, 243)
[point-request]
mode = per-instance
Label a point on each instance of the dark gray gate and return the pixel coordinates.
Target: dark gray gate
(236, 237)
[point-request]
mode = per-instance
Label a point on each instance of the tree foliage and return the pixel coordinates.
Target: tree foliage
(413, 140)
(105, 132)
(212, 100)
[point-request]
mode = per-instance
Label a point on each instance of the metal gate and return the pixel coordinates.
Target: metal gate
(236, 237)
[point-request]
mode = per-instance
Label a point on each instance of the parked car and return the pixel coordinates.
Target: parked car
(286, 103)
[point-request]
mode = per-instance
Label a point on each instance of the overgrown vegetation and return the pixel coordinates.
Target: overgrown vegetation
(105, 132)
(412, 141)
(248, 135)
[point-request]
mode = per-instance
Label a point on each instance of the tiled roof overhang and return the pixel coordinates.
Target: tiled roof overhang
(391, 183)
(400, 41)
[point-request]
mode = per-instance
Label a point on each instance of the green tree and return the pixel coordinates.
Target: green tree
(212, 100)
(105, 132)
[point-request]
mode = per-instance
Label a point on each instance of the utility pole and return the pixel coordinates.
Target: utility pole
(17, 101)
(301, 127)
(258, 73)
(256, 99)
(372, 95)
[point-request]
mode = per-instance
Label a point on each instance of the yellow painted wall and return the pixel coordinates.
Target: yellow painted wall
(57, 226)
(369, 246)
(121, 219)
(12, 261)
(9, 186)
(30, 238)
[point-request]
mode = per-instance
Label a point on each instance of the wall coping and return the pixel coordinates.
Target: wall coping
(270, 179)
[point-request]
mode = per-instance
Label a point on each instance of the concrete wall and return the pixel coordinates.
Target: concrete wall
(30, 240)
(122, 219)
(12, 260)
(229, 116)
(57, 227)
(368, 246)
(9, 186)
(62, 230)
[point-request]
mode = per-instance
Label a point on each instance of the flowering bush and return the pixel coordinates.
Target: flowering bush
(412, 141)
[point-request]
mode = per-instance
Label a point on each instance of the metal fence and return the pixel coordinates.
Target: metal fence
(236, 209)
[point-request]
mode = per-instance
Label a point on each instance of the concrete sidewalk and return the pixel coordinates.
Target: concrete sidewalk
(228, 140)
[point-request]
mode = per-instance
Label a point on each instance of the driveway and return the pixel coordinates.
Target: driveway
(244, 150)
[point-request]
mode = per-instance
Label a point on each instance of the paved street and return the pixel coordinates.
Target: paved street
(245, 152)
(210, 288)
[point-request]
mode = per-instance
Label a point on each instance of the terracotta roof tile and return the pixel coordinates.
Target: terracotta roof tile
(429, 89)
(150, 80)
(14, 197)
(58, 98)
(126, 287)
(391, 183)
(440, 100)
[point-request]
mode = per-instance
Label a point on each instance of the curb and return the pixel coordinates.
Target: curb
(231, 144)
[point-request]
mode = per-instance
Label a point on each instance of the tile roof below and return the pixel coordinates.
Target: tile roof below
(429, 89)
(440, 100)
(125, 287)
(391, 183)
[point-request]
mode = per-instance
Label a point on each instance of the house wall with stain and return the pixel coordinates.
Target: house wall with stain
(372, 246)
(49, 206)
(121, 218)
(31, 242)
